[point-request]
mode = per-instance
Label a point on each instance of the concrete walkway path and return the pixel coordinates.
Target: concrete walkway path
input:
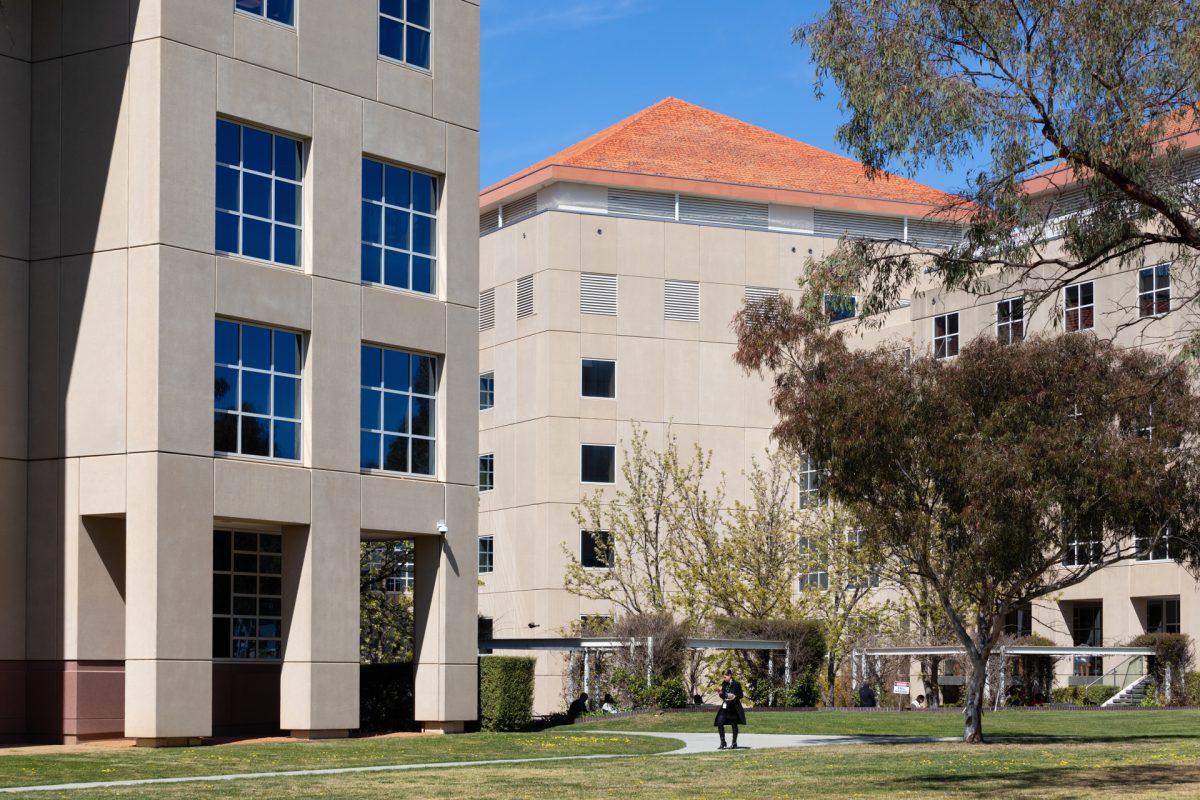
(692, 743)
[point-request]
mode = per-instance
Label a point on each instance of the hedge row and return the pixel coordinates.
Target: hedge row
(505, 692)
(1083, 695)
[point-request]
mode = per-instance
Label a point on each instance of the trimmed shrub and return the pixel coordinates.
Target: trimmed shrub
(1083, 695)
(1192, 685)
(805, 642)
(1172, 657)
(505, 692)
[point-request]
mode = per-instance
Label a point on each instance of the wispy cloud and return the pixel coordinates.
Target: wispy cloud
(507, 17)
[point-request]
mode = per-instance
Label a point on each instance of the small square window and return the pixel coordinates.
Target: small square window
(840, 307)
(406, 31)
(945, 335)
(595, 549)
(1154, 291)
(1079, 307)
(597, 463)
(599, 378)
(487, 472)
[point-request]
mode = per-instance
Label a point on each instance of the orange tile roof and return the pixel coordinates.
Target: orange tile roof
(675, 139)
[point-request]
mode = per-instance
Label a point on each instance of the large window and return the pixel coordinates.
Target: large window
(1162, 615)
(595, 549)
(487, 554)
(1083, 549)
(818, 577)
(399, 227)
(487, 391)
(399, 415)
(1154, 290)
(1079, 306)
(256, 391)
(945, 335)
(259, 194)
(856, 539)
(597, 463)
(839, 307)
(1154, 547)
(1019, 621)
(247, 595)
(405, 30)
(1010, 320)
(487, 472)
(599, 378)
(281, 11)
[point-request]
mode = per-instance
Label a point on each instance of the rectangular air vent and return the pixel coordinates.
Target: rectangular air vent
(723, 212)
(489, 221)
(681, 301)
(928, 233)
(518, 209)
(487, 310)
(755, 294)
(641, 204)
(857, 226)
(597, 293)
(525, 297)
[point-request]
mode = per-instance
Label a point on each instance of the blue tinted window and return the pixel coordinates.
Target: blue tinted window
(259, 194)
(399, 227)
(405, 30)
(398, 419)
(281, 11)
(256, 391)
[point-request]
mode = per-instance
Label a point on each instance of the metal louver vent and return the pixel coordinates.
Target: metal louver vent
(928, 233)
(487, 310)
(722, 212)
(525, 297)
(518, 209)
(755, 294)
(857, 226)
(1067, 202)
(641, 204)
(1190, 168)
(489, 221)
(681, 301)
(597, 293)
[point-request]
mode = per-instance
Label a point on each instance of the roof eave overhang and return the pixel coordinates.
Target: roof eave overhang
(1063, 177)
(562, 173)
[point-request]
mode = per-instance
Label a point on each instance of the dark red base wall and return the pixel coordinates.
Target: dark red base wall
(245, 699)
(66, 701)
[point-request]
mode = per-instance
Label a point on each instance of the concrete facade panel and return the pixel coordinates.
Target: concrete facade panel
(402, 506)
(403, 319)
(338, 45)
(335, 187)
(258, 491)
(405, 87)
(456, 62)
(459, 240)
(333, 358)
(268, 295)
(266, 44)
(187, 142)
(15, 87)
(264, 97)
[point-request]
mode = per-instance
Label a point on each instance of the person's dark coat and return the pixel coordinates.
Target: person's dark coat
(732, 713)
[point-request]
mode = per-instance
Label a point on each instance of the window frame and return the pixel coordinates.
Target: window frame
(381, 433)
(1094, 544)
(582, 383)
(491, 458)
(947, 337)
(836, 315)
(489, 392)
(258, 595)
(1079, 307)
(1156, 294)
(585, 532)
(405, 25)
(1145, 553)
(1165, 604)
(808, 483)
(412, 213)
(241, 215)
(1005, 326)
(611, 447)
(291, 26)
(818, 578)
(489, 551)
(272, 373)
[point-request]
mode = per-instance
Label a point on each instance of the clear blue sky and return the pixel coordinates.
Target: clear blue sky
(556, 71)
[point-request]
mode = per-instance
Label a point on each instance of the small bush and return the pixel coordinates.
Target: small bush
(1192, 689)
(1083, 695)
(1172, 659)
(505, 692)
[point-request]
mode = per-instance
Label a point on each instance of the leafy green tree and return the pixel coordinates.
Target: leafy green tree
(385, 617)
(635, 519)
(1093, 94)
(1004, 475)
(840, 572)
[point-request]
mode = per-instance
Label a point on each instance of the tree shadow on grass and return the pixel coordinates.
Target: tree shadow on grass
(1116, 780)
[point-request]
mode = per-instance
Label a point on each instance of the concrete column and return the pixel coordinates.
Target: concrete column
(318, 693)
(168, 599)
(445, 602)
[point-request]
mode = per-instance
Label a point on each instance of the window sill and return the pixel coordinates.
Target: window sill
(260, 261)
(401, 290)
(426, 71)
(387, 473)
(263, 18)
(286, 462)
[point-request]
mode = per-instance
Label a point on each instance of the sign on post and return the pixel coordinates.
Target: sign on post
(900, 687)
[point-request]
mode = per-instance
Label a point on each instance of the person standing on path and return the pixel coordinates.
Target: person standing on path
(731, 711)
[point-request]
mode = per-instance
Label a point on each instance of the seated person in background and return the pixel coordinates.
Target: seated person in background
(610, 705)
(578, 705)
(919, 702)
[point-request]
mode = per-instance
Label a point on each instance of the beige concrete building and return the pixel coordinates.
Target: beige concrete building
(609, 275)
(239, 277)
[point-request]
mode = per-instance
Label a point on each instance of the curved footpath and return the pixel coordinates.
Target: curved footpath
(692, 743)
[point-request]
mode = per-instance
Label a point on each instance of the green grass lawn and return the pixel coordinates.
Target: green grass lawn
(1062, 770)
(112, 764)
(1087, 724)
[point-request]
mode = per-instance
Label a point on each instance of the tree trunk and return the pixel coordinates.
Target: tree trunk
(933, 690)
(973, 705)
(830, 677)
